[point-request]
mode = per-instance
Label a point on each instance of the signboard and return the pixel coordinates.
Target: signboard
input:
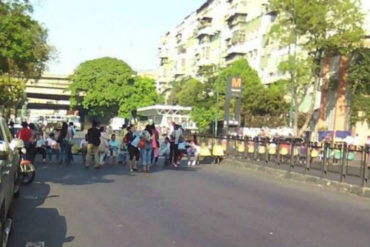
(235, 84)
(233, 91)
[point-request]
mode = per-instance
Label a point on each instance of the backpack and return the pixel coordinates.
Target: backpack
(141, 143)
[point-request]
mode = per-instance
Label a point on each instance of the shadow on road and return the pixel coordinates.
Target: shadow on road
(77, 174)
(33, 223)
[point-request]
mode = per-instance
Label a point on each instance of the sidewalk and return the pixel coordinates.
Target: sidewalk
(351, 183)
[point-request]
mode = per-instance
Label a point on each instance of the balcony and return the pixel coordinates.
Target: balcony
(205, 32)
(235, 19)
(236, 51)
(179, 73)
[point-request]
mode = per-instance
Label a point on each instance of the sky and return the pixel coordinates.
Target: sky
(81, 30)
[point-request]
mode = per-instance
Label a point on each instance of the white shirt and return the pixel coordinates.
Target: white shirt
(51, 143)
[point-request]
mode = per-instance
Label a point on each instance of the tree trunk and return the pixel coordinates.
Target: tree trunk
(311, 110)
(295, 119)
(317, 74)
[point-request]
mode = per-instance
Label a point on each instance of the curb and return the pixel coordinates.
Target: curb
(282, 174)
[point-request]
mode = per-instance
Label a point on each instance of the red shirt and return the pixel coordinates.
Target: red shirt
(25, 134)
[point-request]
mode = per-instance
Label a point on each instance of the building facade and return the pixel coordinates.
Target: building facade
(221, 31)
(215, 35)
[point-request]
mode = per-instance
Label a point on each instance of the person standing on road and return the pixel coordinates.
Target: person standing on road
(52, 147)
(155, 145)
(104, 146)
(174, 148)
(165, 150)
(114, 148)
(25, 134)
(83, 148)
(40, 147)
(93, 138)
(63, 144)
(134, 154)
(147, 149)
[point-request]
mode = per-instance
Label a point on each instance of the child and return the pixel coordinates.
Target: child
(83, 148)
(114, 148)
(165, 150)
(40, 147)
(52, 147)
(193, 152)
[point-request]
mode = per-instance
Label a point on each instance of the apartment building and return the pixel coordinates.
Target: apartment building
(215, 35)
(221, 31)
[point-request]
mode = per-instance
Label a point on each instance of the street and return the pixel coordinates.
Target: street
(203, 206)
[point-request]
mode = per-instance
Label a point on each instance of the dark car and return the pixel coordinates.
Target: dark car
(9, 183)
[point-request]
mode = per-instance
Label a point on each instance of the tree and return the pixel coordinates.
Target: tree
(358, 78)
(23, 41)
(191, 92)
(320, 28)
(12, 93)
(257, 100)
(140, 93)
(107, 86)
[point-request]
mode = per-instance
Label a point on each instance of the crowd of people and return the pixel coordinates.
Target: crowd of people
(133, 147)
(57, 143)
(138, 147)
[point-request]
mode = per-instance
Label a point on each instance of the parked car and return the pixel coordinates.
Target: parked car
(9, 178)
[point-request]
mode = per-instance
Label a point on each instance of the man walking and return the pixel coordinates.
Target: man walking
(93, 139)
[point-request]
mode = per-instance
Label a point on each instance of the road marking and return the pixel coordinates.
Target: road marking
(35, 244)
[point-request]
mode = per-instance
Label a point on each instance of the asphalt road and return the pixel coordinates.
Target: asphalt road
(190, 207)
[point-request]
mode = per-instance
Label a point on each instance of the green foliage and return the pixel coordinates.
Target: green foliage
(359, 71)
(256, 98)
(191, 92)
(275, 103)
(187, 93)
(360, 109)
(320, 28)
(23, 46)
(358, 78)
(328, 26)
(252, 88)
(107, 86)
(203, 117)
(11, 92)
(139, 94)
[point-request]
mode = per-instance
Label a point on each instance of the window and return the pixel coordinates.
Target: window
(238, 37)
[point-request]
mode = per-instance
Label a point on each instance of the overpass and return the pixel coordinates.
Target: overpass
(48, 95)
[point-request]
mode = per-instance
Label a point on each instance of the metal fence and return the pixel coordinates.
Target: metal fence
(337, 161)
